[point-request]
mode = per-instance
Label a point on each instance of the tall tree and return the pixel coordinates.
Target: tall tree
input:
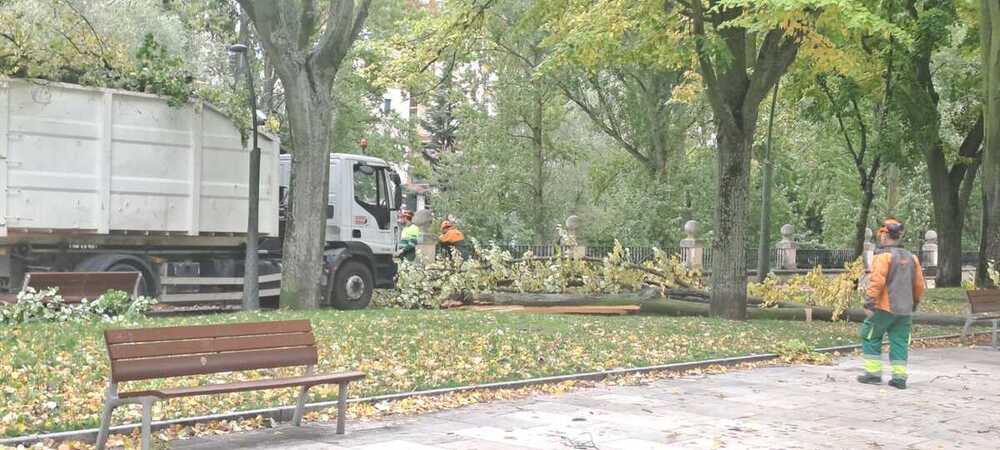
(306, 47)
(951, 175)
(737, 77)
(845, 97)
(989, 246)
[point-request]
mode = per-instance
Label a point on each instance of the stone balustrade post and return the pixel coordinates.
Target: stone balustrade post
(786, 248)
(929, 252)
(692, 248)
(576, 248)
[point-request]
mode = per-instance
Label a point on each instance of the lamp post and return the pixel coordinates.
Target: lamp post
(251, 291)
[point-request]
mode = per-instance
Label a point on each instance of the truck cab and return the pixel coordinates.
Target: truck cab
(362, 230)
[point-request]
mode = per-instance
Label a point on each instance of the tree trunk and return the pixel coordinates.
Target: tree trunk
(310, 114)
(861, 225)
(949, 270)
(989, 244)
(949, 217)
(729, 252)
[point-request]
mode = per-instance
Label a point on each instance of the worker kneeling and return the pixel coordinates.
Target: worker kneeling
(894, 290)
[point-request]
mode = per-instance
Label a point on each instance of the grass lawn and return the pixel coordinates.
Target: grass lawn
(53, 375)
(945, 301)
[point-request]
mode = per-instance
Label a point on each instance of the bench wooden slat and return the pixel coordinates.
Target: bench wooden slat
(175, 366)
(209, 345)
(179, 333)
(255, 385)
(984, 300)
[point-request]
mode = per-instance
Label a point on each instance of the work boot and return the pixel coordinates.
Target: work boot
(869, 378)
(898, 383)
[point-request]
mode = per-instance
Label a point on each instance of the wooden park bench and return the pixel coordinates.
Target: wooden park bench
(170, 352)
(76, 286)
(984, 304)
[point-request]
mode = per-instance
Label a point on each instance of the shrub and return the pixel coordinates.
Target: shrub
(48, 306)
(814, 288)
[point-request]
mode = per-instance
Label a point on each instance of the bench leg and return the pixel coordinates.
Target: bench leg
(967, 327)
(341, 407)
(300, 406)
(147, 420)
(102, 435)
(109, 407)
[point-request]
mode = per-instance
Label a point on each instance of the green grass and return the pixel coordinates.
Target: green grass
(53, 375)
(944, 301)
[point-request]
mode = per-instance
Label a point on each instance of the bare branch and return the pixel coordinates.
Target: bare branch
(840, 121)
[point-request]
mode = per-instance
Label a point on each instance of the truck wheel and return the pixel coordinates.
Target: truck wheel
(352, 286)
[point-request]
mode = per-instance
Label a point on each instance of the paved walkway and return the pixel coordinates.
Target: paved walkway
(953, 402)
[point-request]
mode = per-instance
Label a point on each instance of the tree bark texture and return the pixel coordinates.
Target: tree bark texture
(989, 244)
(310, 116)
(729, 260)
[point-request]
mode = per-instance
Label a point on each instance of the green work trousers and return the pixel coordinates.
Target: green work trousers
(872, 331)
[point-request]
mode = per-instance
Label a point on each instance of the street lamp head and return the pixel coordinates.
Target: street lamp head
(237, 48)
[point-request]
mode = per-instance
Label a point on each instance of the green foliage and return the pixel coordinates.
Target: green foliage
(48, 306)
(816, 289)
(992, 273)
(491, 269)
(104, 44)
(158, 72)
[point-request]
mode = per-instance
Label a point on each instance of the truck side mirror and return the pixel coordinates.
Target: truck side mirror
(397, 201)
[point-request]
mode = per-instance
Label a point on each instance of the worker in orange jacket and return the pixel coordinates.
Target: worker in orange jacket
(894, 291)
(451, 236)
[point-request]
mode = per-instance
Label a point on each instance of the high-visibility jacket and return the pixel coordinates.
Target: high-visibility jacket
(408, 240)
(897, 281)
(451, 236)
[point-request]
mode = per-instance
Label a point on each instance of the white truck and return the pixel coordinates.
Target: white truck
(98, 180)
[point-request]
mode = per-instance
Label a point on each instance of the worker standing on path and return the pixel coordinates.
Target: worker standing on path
(893, 293)
(409, 237)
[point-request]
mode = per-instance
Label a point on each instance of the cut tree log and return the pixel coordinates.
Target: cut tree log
(650, 302)
(590, 310)
(572, 299)
(677, 308)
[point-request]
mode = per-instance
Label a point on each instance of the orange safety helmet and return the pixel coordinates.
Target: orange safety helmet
(446, 225)
(891, 227)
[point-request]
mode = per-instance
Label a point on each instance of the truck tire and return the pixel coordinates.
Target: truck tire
(352, 286)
